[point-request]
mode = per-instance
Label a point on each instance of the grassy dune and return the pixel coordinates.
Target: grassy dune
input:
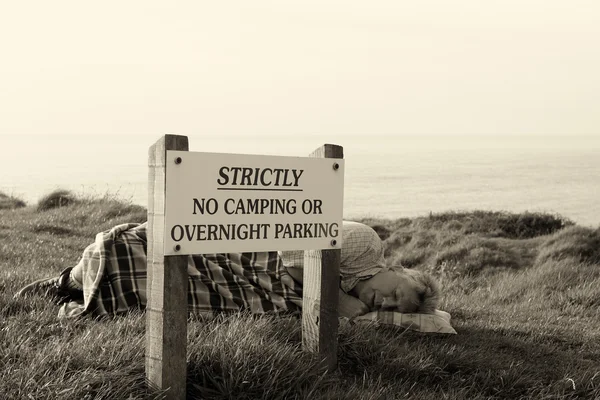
(523, 291)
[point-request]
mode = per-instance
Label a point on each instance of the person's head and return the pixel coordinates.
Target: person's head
(401, 290)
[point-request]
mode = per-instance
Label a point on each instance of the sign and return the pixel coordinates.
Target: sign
(219, 203)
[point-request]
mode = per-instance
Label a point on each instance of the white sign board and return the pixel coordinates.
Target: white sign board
(219, 203)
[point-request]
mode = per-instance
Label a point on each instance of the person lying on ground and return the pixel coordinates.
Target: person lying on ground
(366, 284)
(110, 279)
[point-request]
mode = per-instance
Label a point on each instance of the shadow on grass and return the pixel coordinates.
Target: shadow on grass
(226, 361)
(261, 357)
(499, 363)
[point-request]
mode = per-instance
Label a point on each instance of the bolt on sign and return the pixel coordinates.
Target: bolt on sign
(217, 203)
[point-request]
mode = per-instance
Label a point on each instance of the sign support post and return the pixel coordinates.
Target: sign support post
(167, 282)
(321, 282)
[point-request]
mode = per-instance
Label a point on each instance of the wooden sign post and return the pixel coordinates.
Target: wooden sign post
(174, 181)
(167, 282)
(321, 281)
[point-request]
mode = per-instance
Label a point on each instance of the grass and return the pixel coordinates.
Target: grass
(56, 199)
(524, 299)
(10, 202)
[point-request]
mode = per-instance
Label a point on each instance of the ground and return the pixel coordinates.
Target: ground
(523, 291)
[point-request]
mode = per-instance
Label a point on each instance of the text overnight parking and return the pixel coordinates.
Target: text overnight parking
(204, 232)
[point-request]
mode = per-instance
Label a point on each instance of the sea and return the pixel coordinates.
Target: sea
(385, 176)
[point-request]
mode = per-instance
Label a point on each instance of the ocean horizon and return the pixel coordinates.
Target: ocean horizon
(386, 176)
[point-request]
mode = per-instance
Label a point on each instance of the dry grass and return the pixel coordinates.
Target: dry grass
(10, 202)
(526, 311)
(56, 199)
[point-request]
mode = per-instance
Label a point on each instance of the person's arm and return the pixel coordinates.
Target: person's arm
(348, 306)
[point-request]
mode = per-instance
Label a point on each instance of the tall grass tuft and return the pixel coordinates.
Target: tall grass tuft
(499, 223)
(56, 199)
(577, 242)
(10, 202)
(474, 255)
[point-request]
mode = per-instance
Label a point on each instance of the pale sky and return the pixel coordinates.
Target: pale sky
(298, 67)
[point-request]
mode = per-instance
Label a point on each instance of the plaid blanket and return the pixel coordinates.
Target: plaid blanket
(114, 279)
